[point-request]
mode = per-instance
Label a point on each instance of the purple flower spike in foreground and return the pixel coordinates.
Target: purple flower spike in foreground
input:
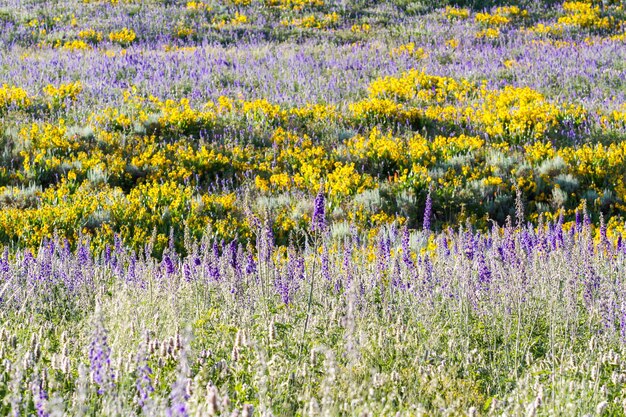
(40, 398)
(318, 221)
(100, 359)
(428, 212)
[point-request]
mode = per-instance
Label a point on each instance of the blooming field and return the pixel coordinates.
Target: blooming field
(312, 207)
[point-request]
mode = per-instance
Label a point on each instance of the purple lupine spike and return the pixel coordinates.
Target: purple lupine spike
(578, 221)
(347, 266)
(325, 262)
(318, 221)
(295, 267)
(406, 249)
(604, 240)
(393, 232)
(131, 275)
(214, 271)
(484, 274)
(144, 378)
(559, 231)
(179, 395)
(168, 265)
(383, 255)
(591, 283)
(108, 260)
(100, 359)
(118, 244)
(40, 398)
(284, 287)
(4, 262)
(233, 257)
(469, 245)
(445, 246)
(396, 279)
(428, 273)
(83, 255)
(28, 261)
(356, 239)
(267, 244)
(622, 322)
(216, 251)
(586, 218)
(527, 241)
(50, 248)
(171, 243)
(428, 208)
(187, 271)
(66, 250)
(251, 267)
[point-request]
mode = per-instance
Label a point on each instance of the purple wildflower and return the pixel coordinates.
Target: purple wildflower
(168, 264)
(406, 249)
(318, 221)
(40, 398)
(325, 262)
(100, 359)
(250, 265)
(427, 212)
(484, 274)
(144, 378)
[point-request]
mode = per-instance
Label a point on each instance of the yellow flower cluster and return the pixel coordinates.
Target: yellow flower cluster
(13, 96)
(238, 2)
(516, 113)
(417, 85)
(113, 2)
(494, 20)
(313, 22)
(455, 13)
(513, 113)
(543, 29)
(409, 49)
(294, 4)
(362, 28)
(239, 19)
(345, 180)
(489, 33)
(184, 32)
(73, 45)
(124, 36)
(63, 92)
(90, 35)
(584, 15)
(501, 16)
(236, 20)
(198, 5)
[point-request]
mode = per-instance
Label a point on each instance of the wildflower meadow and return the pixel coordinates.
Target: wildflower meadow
(312, 208)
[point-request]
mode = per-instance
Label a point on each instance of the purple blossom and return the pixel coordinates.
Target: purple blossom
(325, 262)
(406, 249)
(318, 221)
(100, 359)
(428, 208)
(40, 398)
(144, 378)
(168, 265)
(484, 273)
